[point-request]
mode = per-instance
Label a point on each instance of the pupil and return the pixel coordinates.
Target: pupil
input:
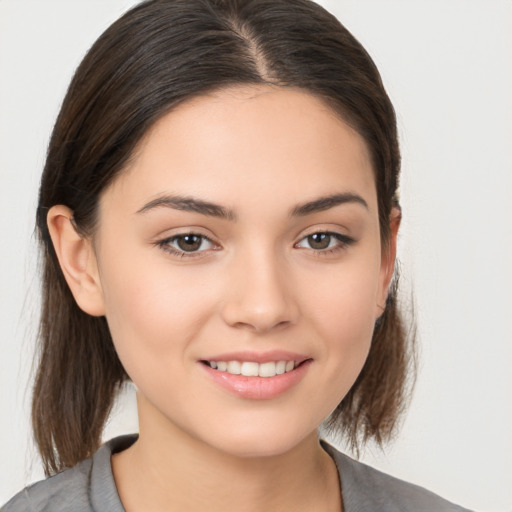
(189, 242)
(319, 240)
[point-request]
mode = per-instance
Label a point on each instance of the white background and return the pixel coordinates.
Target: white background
(447, 65)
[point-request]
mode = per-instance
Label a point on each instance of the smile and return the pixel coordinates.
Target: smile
(257, 377)
(253, 369)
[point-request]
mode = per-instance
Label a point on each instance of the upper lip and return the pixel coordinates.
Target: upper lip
(259, 357)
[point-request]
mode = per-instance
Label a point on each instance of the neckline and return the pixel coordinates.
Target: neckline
(103, 490)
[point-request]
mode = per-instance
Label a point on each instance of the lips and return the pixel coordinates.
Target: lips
(257, 376)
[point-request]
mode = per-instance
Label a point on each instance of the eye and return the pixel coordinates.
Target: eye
(324, 241)
(187, 244)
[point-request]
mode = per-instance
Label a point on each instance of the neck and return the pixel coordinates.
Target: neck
(168, 470)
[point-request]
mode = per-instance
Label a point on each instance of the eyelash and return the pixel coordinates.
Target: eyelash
(165, 245)
(343, 242)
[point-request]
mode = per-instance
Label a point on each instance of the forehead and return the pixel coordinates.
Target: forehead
(238, 143)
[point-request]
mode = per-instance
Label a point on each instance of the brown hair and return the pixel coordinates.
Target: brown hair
(158, 55)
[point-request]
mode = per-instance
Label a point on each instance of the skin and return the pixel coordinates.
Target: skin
(259, 152)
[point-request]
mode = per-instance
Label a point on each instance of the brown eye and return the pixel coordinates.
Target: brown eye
(189, 243)
(325, 242)
(319, 241)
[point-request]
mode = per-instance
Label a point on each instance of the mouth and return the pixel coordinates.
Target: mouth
(257, 376)
(253, 368)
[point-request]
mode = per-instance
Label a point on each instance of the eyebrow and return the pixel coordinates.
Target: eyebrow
(325, 203)
(191, 204)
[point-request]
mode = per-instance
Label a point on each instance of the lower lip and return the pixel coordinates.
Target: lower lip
(258, 388)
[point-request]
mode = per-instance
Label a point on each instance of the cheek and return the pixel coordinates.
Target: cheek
(345, 306)
(342, 314)
(152, 312)
(348, 316)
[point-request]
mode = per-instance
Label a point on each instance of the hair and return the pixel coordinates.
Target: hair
(158, 55)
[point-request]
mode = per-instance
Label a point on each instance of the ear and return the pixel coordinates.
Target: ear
(77, 260)
(388, 259)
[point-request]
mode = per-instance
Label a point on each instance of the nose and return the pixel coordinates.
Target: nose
(260, 296)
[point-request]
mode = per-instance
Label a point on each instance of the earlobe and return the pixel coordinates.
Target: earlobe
(388, 260)
(77, 260)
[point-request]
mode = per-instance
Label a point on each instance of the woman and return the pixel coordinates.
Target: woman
(218, 216)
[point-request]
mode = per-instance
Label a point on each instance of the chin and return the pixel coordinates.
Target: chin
(261, 442)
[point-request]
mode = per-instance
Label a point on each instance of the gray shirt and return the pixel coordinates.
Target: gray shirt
(90, 487)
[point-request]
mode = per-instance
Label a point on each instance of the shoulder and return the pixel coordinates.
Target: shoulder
(367, 489)
(64, 491)
(86, 487)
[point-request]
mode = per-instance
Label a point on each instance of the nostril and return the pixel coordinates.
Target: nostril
(260, 298)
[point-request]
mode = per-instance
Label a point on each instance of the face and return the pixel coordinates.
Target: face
(240, 266)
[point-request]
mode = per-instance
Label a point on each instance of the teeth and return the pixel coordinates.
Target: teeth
(249, 369)
(234, 367)
(267, 369)
(252, 369)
